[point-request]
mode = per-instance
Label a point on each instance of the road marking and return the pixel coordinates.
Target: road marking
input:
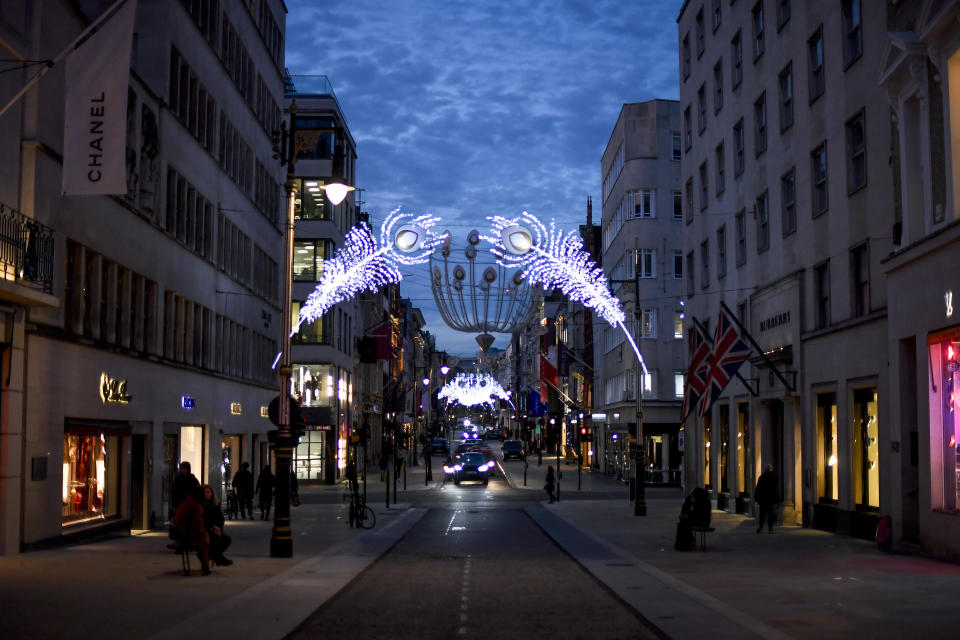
(450, 524)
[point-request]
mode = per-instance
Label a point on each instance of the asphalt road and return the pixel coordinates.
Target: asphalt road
(475, 566)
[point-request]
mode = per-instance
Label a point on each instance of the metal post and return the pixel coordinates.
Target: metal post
(640, 504)
(393, 462)
(281, 538)
(558, 468)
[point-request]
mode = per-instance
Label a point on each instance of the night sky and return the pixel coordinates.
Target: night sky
(469, 109)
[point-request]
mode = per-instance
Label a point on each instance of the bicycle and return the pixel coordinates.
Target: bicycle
(361, 515)
(231, 506)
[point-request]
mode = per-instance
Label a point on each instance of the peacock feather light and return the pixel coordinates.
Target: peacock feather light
(473, 388)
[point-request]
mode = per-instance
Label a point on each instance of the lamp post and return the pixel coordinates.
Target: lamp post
(288, 142)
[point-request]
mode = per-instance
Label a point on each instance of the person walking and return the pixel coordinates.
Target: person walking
(243, 487)
(550, 484)
(767, 496)
(265, 484)
(213, 522)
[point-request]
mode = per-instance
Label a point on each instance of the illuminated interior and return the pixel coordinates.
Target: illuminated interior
(828, 467)
(90, 483)
(944, 392)
(866, 448)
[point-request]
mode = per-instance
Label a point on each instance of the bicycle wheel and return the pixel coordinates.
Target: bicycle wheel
(367, 517)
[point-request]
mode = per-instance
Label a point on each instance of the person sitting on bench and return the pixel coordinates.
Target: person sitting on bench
(190, 529)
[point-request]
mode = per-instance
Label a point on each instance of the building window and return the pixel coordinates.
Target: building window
(783, 13)
(760, 123)
(689, 189)
(736, 60)
(647, 385)
(687, 129)
(721, 252)
(91, 475)
(314, 385)
(702, 108)
(678, 325)
(704, 264)
(815, 57)
(679, 382)
(646, 263)
(945, 424)
(828, 477)
(707, 428)
(856, 153)
(718, 86)
(310, 203)
(686, 56)
(677, 265)
(758, 43)
(642, 203)
(786, 97)
(677, 205)
(308, 258)
(717, 14)
(854, 34)
(724, 468)
(703, 185)
(648, 323)
(701, 38)
(860, 280)
(818, 179)
(745, 476)
(763, 223)
(866, 448)
(741, 221)
(690, 286)
(821, 289)
(675, 145)
(788, 202)
(721, 172)
(738, 147)
(319, 331)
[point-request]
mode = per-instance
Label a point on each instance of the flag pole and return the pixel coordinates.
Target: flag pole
(60, 56)
(753, 343)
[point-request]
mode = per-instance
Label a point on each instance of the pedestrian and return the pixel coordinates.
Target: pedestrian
(189, 529)
(767, 496)
(213, 522)
(265, 485)
(183, 485)
(550, 484)
(684, 538)
(243, 487)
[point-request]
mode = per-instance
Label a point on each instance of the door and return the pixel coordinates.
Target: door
(138, 482)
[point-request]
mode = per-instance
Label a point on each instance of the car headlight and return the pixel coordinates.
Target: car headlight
(447, 469)
(458, 467)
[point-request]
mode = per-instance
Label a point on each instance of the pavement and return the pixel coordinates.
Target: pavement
(494, 561)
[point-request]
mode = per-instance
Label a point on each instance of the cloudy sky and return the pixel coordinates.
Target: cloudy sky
(468, 109)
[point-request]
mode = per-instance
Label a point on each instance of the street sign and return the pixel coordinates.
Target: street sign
(273, 411)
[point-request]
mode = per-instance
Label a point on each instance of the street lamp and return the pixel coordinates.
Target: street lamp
(336, 191)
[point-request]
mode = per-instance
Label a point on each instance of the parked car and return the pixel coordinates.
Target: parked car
(473, 466)
(513, 450)
(439, 447)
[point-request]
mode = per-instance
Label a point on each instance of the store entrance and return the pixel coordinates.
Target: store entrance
(138, 482)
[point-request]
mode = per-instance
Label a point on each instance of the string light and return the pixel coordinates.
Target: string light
(554, 259)
(473, 388)
(365, 263)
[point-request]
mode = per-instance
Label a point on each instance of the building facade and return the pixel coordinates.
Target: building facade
(323, 354)
(152, 341)
(642, 255)
(789, 202)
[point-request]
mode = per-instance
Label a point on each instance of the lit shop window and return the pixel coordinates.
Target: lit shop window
(90, 475)
(191, 449)
(866, 448)
(828, 468)
(313, 385)
(944, 390)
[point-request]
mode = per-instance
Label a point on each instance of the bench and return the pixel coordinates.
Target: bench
(700, 536)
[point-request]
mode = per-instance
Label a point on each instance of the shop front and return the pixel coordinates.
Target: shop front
(325, 394)
(92, 483)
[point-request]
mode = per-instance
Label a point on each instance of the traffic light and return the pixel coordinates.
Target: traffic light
(583, 431)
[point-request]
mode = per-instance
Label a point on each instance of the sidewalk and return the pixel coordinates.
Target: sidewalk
(590, 481)
(120, 587)
(798, 582)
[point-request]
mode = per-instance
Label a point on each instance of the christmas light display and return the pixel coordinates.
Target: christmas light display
(365, 263)
(473, 388)
(554, 259)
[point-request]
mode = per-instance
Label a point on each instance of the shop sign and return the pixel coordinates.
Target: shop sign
(236, 408)
(188, 403)
(113, 390)
(948, 302)
(264, 411)
(775, 320)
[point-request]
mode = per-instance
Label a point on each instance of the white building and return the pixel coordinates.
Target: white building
(642, 256)
(151, 339)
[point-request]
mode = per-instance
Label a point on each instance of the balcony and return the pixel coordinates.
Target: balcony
(26, 260)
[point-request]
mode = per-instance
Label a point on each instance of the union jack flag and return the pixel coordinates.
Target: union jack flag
(729, 354)
(696, 380)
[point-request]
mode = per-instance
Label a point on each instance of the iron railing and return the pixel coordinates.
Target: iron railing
(26, 250)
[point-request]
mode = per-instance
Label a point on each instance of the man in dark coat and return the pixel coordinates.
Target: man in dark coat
(243, 485)
(767, 496)
(183, 485)
(265, 485)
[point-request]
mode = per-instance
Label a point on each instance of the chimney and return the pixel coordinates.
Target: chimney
(589, 212)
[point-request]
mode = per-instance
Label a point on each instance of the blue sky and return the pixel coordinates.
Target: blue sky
(470, 109)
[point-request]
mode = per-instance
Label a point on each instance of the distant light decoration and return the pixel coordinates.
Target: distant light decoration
(554, 259)
(471, 389)
(365, 263)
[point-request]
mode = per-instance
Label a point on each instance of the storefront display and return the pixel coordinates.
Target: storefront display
(945, 423)
(828, 471)
(91, 475)
(866, 448)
